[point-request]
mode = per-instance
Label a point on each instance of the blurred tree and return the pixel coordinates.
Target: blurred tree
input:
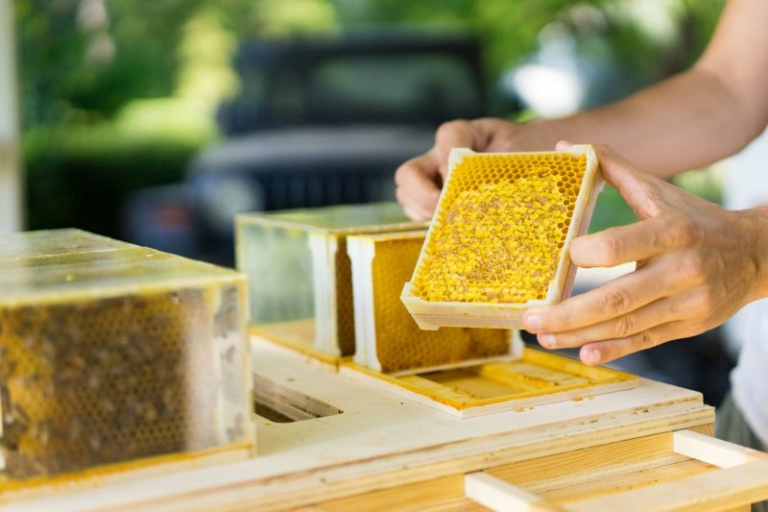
(655, 38)
(84, 59)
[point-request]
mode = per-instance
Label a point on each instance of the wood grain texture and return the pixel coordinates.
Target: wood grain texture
(670, 471)
(383, 441)
(537, 378)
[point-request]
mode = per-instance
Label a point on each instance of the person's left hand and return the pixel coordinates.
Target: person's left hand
(697, 264)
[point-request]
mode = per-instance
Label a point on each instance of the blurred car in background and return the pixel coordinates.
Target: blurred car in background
(321, 121)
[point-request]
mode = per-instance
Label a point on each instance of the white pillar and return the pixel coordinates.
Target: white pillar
(11, 209)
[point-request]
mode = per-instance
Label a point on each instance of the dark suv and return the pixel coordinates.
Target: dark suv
(327, 120)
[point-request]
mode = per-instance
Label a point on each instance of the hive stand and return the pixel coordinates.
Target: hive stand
(368, 449)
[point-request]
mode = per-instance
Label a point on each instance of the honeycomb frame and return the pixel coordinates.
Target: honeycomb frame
(533, 379)
(474, 312)
(386, 337)
(324, 328)
(114, 355)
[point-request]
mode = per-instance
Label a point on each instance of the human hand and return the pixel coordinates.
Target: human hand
(697, 264)
(420, 179)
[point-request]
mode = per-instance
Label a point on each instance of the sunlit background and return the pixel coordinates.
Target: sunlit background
(155, 121)
(118, 96)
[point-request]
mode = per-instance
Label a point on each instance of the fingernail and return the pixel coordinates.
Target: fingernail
(532, 323)
(547, 340)
(590, 356)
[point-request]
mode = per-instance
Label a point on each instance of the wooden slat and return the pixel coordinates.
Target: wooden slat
(382, 441)
(715, 490)
(714, 451)
(621, 482)
(443, 493)
(500, 496)
(565, 466)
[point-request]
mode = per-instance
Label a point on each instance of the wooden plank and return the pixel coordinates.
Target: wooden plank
(608, 477)
(714, 451)
(565, 468)
(714, 490)
(537, 378)
(619, 480)
(382, 441)
(501, 496)
(431, 494)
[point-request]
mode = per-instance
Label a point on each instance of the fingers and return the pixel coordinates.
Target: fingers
(418, 186)
(639, 189)
(625, 244)
(631, 324)
(606, 351)
(419, 180)
(614, 299)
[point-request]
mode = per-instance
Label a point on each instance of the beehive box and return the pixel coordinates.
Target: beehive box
(500, 238)
(387, 339)
(300, 274)
(111, 352)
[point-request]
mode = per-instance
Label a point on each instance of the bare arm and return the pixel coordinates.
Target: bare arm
(689, 120)
(700, 116)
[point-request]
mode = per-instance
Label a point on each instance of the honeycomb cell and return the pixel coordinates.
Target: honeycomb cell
(118, 355)
(397, 342)
(498, 237)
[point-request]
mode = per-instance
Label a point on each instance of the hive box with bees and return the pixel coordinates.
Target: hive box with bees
(500, 237)
(112, 353)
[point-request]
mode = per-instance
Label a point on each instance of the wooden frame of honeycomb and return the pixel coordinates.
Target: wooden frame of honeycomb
(113, 354)
(386, 337)
(500, 237)
(300, 275)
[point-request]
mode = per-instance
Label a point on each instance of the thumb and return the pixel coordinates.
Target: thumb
(639, 189)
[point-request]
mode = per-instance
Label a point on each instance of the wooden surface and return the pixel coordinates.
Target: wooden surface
(683, 470)
(537, 378)
(383, 441)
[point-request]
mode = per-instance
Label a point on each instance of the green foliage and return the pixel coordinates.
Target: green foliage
(88, 142)
(80, 68)
(80, 176)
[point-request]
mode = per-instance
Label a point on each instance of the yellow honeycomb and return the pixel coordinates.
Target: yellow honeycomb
(400, 344)
(500, 228)
(94, 382)
(345, 315)
(111, 353)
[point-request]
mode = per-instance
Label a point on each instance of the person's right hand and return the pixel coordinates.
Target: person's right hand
(420, 179)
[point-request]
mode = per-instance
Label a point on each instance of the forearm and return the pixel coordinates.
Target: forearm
(697, 117)
(686, 122)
